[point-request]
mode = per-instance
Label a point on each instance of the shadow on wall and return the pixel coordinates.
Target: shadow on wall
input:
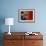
(2, 21)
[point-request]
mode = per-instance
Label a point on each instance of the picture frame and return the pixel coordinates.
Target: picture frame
(26, 15)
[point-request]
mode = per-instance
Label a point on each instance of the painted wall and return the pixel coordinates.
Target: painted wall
(9, 8)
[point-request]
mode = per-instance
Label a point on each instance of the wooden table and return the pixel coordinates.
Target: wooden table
(20, 39)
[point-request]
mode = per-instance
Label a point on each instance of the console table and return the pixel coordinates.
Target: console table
(20, 39)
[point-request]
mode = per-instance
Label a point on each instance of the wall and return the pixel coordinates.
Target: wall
(9, 8)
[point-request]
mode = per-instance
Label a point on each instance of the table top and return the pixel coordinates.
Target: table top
(22, 35)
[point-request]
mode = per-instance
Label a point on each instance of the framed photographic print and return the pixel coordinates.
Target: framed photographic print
(26, 15)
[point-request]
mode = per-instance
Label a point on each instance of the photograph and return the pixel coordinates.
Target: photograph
(26, 15)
